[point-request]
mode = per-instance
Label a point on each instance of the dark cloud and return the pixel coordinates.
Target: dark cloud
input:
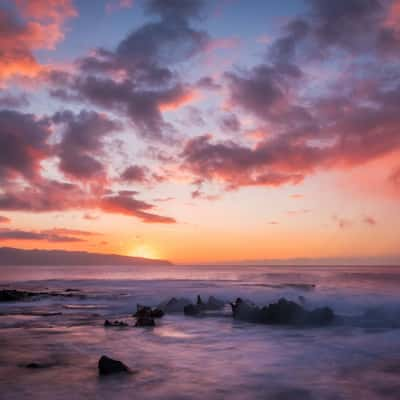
(139, 78)
(208, 83)
(9, 100)
(126, 204)
(45, 196)
(338, 25)
(142, 106)
(270, 163)
(230, 123)
(283, 50)
(82, 143)
(16, 234)
(48, 196)
(263, 90)
(23, 143)
(135, 173)
(176, 9)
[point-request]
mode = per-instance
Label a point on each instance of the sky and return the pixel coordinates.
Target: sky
(201, 131)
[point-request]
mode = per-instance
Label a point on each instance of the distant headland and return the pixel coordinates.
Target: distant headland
(14, 256)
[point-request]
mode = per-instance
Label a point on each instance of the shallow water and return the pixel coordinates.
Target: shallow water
(199, 358)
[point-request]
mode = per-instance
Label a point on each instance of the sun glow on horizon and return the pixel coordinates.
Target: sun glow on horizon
(144, 251)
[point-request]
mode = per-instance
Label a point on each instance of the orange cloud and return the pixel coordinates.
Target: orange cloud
(36, 25)
(393, 16)
(175, 103)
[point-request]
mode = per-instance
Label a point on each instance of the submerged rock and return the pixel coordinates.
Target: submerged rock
(283, 312)
(145, 322)
(108, 366)
(120, 324)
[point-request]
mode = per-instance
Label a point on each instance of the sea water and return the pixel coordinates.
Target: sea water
(215, 357)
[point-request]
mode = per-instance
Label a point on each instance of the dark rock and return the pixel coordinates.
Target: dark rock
(18, 295)
(33, 365)
(145, 322)
(36, 365)
(108, 366)
(200, 307)
(320, 316)
(283, 312)
(157, 313)
(15, 295)
(192, 309)
(214, 303)
(145, 311)
(174, 305)
(119, 324)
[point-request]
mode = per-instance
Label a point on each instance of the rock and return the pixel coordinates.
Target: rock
(320, 316)
(283, 312)
(174, 305)
(33, 365)
(192, 309)
(145, 322)
(214, 303)
(145, 311)
(36, 365)
(244, 310)
(200, 307)
(15, 295)
(120, 324)
(18, 295)
(108, 366)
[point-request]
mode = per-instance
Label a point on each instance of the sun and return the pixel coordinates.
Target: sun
(144, 251)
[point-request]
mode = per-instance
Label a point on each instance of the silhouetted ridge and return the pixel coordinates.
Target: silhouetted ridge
(13, 256)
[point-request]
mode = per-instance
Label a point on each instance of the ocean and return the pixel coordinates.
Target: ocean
(214, 357)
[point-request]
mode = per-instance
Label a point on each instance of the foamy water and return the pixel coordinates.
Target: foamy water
(200, 358)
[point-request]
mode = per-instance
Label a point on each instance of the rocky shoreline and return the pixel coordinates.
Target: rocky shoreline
(282, 312)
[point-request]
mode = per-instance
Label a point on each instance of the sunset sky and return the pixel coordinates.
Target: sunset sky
(201, 131)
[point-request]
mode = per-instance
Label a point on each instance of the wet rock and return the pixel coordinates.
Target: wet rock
(192, 309)
(18, 295)
(245, 311)
(283, 312)
(15, 295)
(174, 305)
(157, 313)
(145, 322)
(214, 303)
(145, 311)
(34, 365)
(119, 324)
(108, 366)
(201, 307)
